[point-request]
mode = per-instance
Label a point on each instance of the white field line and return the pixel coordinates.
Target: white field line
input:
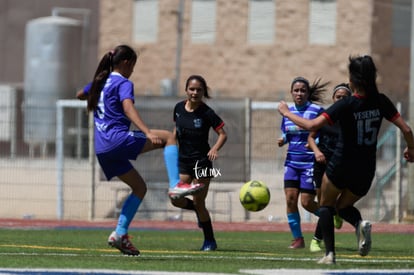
(351, 259)
(27, 271)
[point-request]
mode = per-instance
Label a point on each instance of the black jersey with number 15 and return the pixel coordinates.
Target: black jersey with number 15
(360, 120)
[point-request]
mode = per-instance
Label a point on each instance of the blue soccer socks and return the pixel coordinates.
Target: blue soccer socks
(128, 211)
(294, 224)
(171, 163)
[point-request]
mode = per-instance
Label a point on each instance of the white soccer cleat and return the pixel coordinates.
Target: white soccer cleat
(327, 259)
(364, 237)
(183, 189)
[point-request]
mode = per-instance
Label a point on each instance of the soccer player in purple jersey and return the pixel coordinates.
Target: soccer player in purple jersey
(349, 174)
(298, 172)
(111, 98)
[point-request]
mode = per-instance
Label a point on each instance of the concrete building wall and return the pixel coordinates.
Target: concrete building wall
(233, 67)
(393, 63)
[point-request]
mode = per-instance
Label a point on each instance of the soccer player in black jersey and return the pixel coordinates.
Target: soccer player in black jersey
(350, 171)
(323, 143)
(193, 120)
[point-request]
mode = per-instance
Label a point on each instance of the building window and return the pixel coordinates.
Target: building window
(203, 21)
(145, 21)
(401, 23)
(322, 22)
(262, 18)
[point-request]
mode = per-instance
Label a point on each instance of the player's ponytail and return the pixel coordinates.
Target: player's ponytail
(101, 74)
(109, 61)
(363, 75)
(316, 91)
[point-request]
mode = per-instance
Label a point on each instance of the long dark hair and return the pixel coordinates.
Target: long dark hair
(316, 90)
(363, 74)
(202, 81)
(110, 60)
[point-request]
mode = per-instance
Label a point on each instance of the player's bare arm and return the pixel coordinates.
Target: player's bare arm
(319, 156)
(311, 125)
(408, 136)
(132, 113)
(222, 138)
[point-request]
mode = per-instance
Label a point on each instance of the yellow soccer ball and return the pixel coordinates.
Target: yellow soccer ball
(254, 195)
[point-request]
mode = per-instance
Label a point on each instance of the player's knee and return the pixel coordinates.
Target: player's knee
(177, 203)
(291, 203)
(169, 138)
(309, 205)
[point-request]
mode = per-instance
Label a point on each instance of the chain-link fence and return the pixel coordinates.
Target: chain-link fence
(59, 180)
